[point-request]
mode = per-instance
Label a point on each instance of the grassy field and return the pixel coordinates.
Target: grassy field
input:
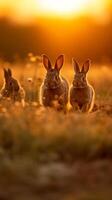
(46, 154)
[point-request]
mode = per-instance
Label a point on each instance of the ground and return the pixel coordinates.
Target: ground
(45, 154)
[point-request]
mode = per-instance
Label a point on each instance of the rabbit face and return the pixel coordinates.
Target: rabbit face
(80, 78)
(11, 86)
(53, 80)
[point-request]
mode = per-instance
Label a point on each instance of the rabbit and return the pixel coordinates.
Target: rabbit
(82, 94)
(54, 89)
(12, 89)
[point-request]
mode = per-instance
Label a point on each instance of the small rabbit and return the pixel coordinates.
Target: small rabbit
(54, 89)
(12, 89)
(82, 94)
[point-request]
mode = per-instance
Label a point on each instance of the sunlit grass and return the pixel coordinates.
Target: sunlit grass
(81, 136)
(39, 145)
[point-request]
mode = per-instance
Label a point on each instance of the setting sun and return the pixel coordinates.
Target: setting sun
(25, 11)
(63, 7)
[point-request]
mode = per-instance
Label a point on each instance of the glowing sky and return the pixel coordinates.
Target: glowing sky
(23, 10)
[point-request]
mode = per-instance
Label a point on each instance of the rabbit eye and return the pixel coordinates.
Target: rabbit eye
(10, 84)
(57, 77)
(84, 79)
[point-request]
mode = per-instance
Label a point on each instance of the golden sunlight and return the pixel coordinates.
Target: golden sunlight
(63, 7)
(26, 11)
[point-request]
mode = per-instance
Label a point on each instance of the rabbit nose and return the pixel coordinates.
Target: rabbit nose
(50, 83)
(54, 79)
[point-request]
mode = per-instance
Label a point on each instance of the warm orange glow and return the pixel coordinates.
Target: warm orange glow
(63, 7)
(27, 10)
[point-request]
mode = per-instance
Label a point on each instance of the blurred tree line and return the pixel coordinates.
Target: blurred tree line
(81, 38)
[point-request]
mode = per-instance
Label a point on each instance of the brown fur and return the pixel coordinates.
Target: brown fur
(11, 88)
(82, 94)
(54, 89)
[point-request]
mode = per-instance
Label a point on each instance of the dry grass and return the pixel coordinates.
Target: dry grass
(44, 150)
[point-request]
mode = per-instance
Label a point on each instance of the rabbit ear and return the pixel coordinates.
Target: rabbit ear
(9, 72)
(6, 75)
(76, 65)
(59, 62)
(46, 62)
(86, 66)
